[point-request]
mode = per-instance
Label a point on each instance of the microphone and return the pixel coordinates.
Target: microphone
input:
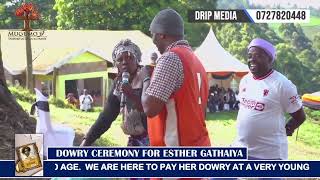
(125, 80)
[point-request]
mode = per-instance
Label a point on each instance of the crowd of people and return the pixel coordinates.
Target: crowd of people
(222, 100)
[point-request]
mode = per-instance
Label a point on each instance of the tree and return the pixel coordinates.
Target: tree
(13, 119)
(126, 15)
(304, 53)
(288, 64)
(48, 15)
(294, 34)
(235, 37)
(316, 44)
(286, 31)
(8, 20)
(316, 78)
(27, 12)
(307, 57)
(16, 11)
(295, 57)
(227, 4)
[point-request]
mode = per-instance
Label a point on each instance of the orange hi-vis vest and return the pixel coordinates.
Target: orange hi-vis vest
(182, 121)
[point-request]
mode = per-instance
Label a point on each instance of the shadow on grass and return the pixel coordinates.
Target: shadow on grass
(222, 116)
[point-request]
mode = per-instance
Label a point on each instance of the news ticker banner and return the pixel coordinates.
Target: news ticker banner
(163, 162)
(203, 153)
(250, 16)
(119, 168)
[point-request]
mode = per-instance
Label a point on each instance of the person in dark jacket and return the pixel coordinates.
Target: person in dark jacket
(126, 56)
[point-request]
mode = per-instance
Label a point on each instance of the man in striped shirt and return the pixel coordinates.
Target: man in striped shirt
(175, 99)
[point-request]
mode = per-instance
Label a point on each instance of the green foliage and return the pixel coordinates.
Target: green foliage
(313, 115)
(297, 57)
(8, 20)
(7, 17)
(227, 4)
(307, 57)
(309, 29)
(127, 15)
(60, 103)
(294, 34)
(304, 52)
(22, 94)
(48, 15)
(316, 43)
(235, 38)
(288, 64)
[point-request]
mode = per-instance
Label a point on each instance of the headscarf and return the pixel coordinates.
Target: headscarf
(126, 45)
(265, 45)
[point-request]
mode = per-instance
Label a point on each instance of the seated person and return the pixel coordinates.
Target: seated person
(71, 99)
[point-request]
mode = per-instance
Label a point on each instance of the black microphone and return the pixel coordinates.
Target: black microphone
(125, 80)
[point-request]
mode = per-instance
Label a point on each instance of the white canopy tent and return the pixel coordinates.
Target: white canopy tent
(216, 59)
(219, 62)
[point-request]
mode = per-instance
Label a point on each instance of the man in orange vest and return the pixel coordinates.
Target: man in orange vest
(175, 97)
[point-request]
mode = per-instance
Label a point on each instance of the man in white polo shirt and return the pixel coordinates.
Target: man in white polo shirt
(265, 96)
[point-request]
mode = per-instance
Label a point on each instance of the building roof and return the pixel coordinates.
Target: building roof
(60, 46)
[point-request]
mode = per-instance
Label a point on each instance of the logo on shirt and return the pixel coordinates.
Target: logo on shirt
(243, 89)
(259, 106)
(252, 104)
(294, 99)
(265, 92)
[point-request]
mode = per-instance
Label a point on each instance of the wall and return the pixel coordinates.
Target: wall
(84, 66)
(62, 78)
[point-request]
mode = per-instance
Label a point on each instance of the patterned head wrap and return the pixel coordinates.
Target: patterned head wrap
(126, 45)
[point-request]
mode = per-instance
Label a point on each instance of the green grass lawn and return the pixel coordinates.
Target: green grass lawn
(314, 21)
(221, 127)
